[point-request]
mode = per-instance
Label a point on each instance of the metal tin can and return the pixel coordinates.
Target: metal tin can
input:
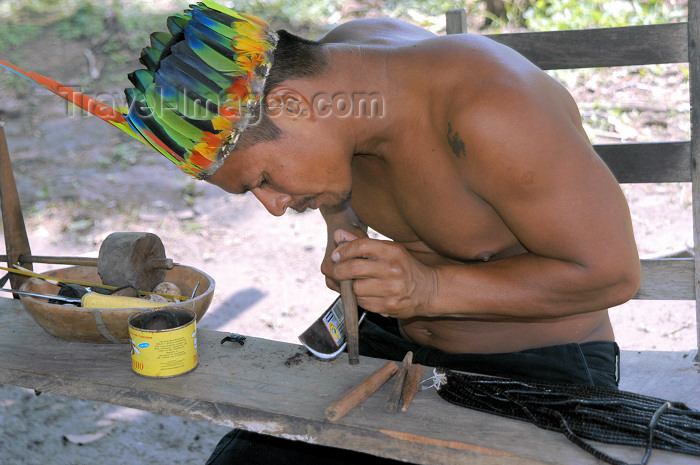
(163, 342)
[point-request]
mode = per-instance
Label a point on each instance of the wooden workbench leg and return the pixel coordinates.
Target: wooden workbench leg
(16, 240)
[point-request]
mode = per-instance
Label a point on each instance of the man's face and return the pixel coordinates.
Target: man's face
(291, 172)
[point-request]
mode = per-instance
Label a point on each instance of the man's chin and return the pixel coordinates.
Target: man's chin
(345, 199)
(339, 204)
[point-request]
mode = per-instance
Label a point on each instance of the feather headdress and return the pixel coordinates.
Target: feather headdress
(202, 82)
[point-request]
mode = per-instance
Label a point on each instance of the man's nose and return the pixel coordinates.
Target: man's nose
(275, 202)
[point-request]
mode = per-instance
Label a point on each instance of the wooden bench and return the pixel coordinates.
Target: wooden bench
(269, 387)
(265, 386)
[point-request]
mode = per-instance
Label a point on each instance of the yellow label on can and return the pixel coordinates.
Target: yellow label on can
(163, 342)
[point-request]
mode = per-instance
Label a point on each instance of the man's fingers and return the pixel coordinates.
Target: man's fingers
(374, 304)
(370, 288)
(341, 235)
(362, 248)
(357, 269)
(332, 285)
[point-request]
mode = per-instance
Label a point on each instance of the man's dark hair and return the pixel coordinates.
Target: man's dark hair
(293, 58)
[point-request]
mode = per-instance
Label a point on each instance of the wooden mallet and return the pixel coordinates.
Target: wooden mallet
(134, 259)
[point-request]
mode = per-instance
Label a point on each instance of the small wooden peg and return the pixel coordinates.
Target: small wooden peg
(410, 387)
(392, 403)
(361, 392)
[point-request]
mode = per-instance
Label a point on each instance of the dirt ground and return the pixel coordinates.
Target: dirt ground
(79, 181)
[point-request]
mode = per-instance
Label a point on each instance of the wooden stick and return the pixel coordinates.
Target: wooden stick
(152, 263)
(16, 240)
(361, 392)
(392, 402)
(410, 387)
(79, 261)
(352, 332)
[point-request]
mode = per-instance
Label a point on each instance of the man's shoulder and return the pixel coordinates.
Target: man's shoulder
(376, 31)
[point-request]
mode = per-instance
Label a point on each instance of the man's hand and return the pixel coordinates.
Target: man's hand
(327, 264)
(387, 279)
(339, 217)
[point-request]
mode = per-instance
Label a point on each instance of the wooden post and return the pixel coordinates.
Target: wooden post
(694, 69)
(16, 241)
(456, 21)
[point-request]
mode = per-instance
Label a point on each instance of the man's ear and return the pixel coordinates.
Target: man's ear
(286, 100)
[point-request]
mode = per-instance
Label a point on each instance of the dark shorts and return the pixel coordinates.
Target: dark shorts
(590, 363)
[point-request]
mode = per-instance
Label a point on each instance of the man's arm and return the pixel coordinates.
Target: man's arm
(526, 155)
(529, 158)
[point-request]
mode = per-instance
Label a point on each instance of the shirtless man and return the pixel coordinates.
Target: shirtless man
(510, 238)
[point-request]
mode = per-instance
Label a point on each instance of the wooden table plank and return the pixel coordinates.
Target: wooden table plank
(265, 386)
(668, 375)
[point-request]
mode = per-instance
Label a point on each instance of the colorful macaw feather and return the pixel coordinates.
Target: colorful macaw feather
(197, 93)
(87, 103)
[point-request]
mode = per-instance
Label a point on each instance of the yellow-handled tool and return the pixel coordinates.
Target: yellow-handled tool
(96, 300)
(83, 283)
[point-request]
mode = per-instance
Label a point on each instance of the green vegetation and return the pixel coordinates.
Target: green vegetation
(13, 35)
(114, 26)
(575, 14)
(119, 24)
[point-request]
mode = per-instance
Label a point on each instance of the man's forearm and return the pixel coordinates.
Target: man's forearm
(529, 286)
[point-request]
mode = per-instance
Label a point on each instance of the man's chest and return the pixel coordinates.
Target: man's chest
(431, 212)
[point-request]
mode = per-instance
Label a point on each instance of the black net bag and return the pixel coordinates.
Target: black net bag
(580, 412)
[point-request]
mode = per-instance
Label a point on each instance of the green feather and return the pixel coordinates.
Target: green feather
(185, 105)
(177, 22)
(222, 9)
(159, 40)
(213, 20)
(165, 117)
(215, 40)
(133, 95)
(149, 57)
(141, 79)
(172, 117)
(211, 56)
(186, 54)
(185, 76)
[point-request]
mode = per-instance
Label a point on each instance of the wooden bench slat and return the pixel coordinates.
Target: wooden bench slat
(667, 279)
(658, 374)
(648, 162)
(591, 48)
